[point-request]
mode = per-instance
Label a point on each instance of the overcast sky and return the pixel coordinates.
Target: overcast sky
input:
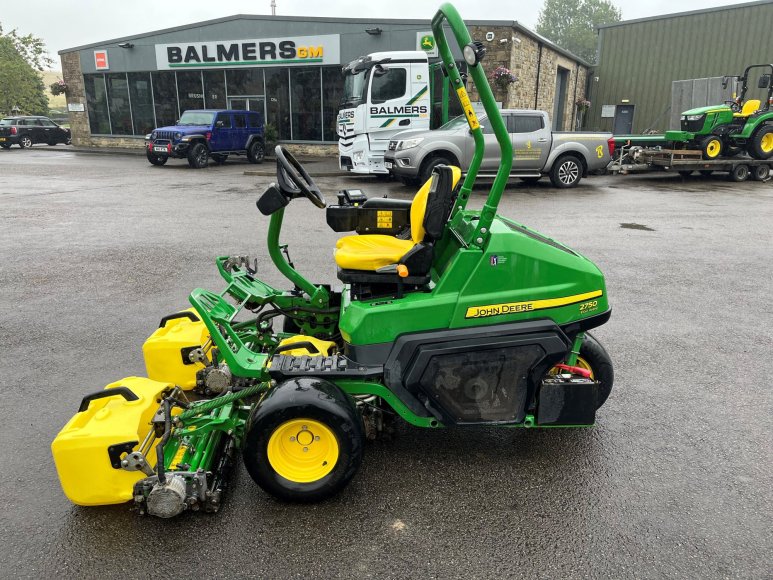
(67, 24)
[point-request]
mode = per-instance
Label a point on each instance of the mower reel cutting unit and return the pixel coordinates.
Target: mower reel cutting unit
(446, 317)
(736, 126)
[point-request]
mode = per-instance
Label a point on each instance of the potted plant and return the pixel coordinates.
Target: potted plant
(58, 88)
(503, 77)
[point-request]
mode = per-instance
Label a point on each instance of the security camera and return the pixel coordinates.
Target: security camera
(503, 40)
(516, 40)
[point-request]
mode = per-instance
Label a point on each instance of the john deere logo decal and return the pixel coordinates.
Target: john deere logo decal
(427, 42)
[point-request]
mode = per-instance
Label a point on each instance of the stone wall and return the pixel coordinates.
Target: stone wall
(523, 59)
(76, 94)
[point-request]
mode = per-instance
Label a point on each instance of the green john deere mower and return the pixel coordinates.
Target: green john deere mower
(447, 317)
(736, 126)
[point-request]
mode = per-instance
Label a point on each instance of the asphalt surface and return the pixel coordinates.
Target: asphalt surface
(674, 480)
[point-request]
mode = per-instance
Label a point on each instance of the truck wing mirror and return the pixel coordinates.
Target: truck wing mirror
(764, 82)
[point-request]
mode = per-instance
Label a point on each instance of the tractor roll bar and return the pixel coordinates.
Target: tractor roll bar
(449, 14)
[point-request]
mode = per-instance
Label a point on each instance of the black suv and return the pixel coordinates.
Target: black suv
(27, 130)
(201, 134)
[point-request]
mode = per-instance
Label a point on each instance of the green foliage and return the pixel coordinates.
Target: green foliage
(571, 24)
(20, 85)
(270, 134)
(31, 48)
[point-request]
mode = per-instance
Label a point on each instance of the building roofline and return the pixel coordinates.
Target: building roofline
(688, 13)
(370, 21)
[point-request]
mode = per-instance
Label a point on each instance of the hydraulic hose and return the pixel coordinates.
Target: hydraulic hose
(195, 410)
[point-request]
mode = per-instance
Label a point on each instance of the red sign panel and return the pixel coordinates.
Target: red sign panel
(100, 60)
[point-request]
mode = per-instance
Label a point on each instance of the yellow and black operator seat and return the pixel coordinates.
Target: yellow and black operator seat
(749, 108)
(377, 259)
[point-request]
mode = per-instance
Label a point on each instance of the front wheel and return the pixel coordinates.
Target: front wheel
(156, 159)
(594, 358)
(304, 441)
(256, 152)
(198, 156)
(429, 165)
(711, 147)
(566, 172)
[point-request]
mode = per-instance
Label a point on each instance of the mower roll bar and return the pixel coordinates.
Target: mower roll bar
(447, 13)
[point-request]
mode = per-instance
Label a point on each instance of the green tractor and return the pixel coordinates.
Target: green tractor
(736, 126)
(447, 317)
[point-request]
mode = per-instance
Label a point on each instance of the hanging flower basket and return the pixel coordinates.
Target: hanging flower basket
(58, 88)
(503, 77)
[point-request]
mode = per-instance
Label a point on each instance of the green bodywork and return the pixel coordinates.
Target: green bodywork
(486, 270)
(713, 117)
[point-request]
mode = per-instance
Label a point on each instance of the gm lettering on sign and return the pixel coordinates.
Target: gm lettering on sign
(298, 50)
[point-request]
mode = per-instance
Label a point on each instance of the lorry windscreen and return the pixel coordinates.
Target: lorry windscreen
(355, 88)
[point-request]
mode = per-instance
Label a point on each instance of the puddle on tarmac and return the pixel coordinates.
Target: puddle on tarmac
(633, 226)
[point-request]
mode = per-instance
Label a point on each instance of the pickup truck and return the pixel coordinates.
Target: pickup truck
(203, 134)
(566, 157)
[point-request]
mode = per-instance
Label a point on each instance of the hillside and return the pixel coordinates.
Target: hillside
(58, 102)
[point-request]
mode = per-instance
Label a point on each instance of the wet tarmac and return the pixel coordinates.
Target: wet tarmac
(674, 480)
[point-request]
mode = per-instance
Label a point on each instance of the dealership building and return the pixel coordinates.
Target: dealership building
(287, 68)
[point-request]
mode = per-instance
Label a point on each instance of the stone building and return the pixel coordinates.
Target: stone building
(120, 89)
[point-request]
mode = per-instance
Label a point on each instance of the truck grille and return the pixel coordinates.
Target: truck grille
(693, 126)
(169, 135)
(346, 141)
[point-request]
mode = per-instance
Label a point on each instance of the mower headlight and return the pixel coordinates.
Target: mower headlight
(409, 143)
(693, 117)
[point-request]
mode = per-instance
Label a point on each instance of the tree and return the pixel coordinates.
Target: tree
(31, 48)
(571, 24)
(20, 85)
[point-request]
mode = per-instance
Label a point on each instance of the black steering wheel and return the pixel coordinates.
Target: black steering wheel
(735, 106)
(294, 179)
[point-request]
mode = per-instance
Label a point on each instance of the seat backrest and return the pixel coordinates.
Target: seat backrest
(432, 203)
(750, 107)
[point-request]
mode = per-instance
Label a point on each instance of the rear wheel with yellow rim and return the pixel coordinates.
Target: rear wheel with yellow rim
(761, 143)
(304, 441)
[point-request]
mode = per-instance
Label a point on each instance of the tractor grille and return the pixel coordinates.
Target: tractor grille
(693, 126)
(168, 135)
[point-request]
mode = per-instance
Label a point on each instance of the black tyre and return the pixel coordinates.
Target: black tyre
(530, 180)
(685, 173)
(156, 159)
(594, 357)
(760, 146)
(219, 158)
(304, 441)
(25, 141)
(706, 172)
(431, 163)
(711, 147)
(739, 173)
(566, 172)
(68, 141)
(198, 156)
(760, 172)
(256, 152)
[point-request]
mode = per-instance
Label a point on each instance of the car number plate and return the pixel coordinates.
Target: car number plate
(2, 138)
(388, 164)
(159, 148)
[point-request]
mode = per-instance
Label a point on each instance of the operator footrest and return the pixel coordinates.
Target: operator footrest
(336, 366)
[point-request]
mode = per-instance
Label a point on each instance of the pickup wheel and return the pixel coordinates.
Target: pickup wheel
(256, 152)
(25, 141)
(156, 159)
(198, 156)
(431, 163)
(566, 172)
(219, 158)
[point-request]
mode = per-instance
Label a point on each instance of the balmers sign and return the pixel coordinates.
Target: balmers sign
(292, 51)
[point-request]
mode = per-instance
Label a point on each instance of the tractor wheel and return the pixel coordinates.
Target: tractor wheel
(594, 358)
(711, 147)
(198, 156)
(761, 144)
(739, 173)
(761, 172)
(304, 441)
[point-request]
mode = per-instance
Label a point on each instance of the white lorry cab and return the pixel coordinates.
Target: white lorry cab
(384, 93)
